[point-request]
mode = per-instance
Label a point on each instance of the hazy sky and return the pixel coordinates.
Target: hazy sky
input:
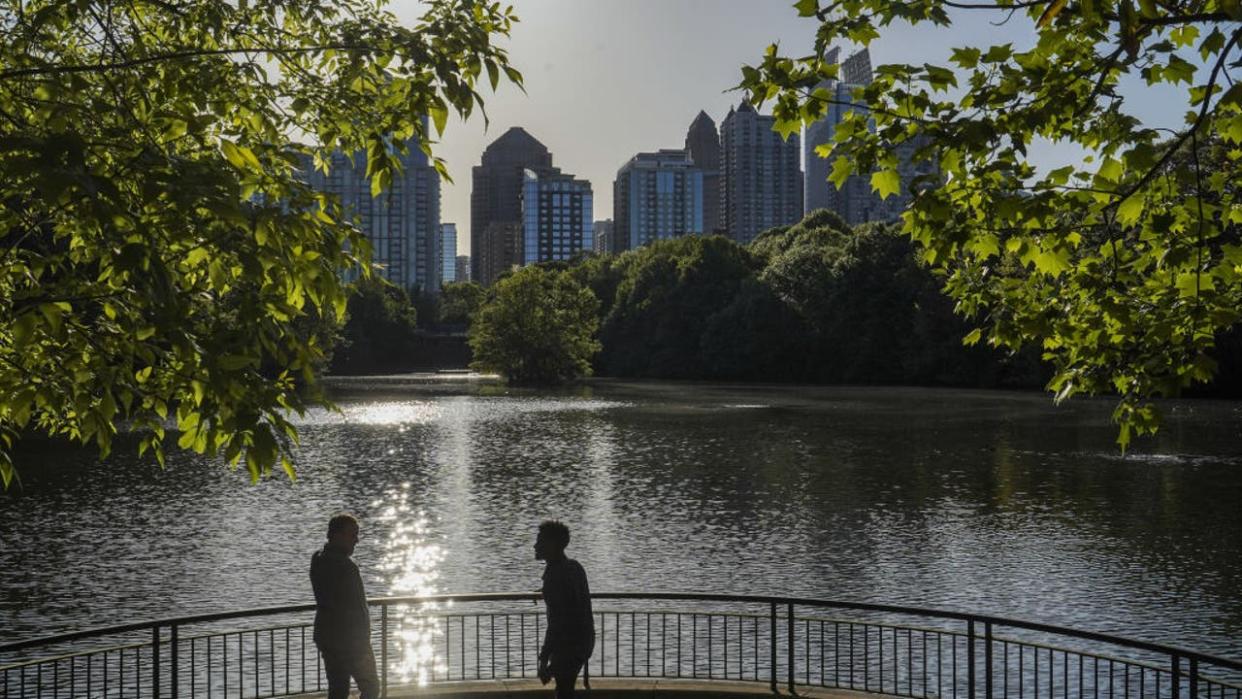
(606, 79)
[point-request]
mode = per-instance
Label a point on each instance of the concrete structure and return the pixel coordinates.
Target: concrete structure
(602, 232)
(463, 268)
(495, 201)
(703, 145)
(403, 223)
(855, 201)
(761, 179)
(448, 253)
(557, 215)
(656, 196)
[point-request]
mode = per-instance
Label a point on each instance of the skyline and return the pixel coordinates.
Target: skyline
(596, 99)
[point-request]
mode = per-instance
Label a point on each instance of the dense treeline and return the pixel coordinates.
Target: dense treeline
(813, 302)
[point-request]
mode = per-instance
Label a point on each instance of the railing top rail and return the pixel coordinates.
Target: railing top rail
(680, 596)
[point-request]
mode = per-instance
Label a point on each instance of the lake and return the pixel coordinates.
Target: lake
(990, 502)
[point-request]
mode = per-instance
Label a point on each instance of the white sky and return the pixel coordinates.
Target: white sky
(606, 79)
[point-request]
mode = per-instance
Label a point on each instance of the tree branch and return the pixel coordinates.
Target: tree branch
(177, 55)
(1207, 102)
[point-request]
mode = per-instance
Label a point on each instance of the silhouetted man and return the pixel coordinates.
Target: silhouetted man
(342, 618)
(570, 637)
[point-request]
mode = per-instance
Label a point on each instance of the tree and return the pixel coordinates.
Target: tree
(537, 327)
(669, 290)
(459, 301)
(378, 336)
(157, 247)
(1123, 266)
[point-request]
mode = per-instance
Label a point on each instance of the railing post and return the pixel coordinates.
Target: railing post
(1176, 676)
(1194, 678)
(970, 659)
(790, 640)
(772, 635)
(175, 692)
(987, 659)
(155, 662)
(384, 650)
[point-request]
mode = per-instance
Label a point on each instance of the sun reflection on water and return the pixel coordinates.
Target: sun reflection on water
(411, 564)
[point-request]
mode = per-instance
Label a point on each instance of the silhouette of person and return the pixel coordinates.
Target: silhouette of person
(342, 618)
(570, 637)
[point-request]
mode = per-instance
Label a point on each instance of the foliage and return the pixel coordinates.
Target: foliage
(537, 327)
(814, 302)
(156, 246)
(459, 301)
(655, 322)
(379, 329)
(1122, 266)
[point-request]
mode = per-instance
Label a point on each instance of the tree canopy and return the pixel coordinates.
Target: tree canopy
(157, 247)
(1123, 264)
(536, 327)
(378, 336)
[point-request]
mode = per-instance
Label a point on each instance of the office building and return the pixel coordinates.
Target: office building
(463, 268)
(448, 253)
(855, 202)
(557, 216)
(601, 236)
(402, 223)
(496, 202)
(703, 145)
(760, 176)
(656, 196)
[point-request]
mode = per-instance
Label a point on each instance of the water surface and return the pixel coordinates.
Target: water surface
(981, 501)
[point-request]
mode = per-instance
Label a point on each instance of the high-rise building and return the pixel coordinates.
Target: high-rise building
(655, 196)
(402, 223)
(703, 145)
(760, 176)
(601, 236)
(556, 216)
(448, 253)
(463, 268)
(495, 202)
(855, 202)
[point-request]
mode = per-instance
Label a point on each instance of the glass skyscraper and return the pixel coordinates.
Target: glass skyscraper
(760, 176)
(855, 202)
(495, 202)
(655, 196)
(556, 216)
(448, 253)
(402, 223)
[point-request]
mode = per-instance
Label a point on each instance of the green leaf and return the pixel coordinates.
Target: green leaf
(807, 8)
(886, 183)
(1130, 210)
(439, 116)
(232, 153)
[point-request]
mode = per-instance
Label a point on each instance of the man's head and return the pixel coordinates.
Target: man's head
(551, 542)
(343, 532)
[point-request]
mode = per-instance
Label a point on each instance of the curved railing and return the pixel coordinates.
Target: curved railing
(781, 642)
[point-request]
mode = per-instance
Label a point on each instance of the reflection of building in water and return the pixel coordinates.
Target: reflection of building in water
(411, 565)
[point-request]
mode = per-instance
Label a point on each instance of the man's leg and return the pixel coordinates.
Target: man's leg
(566, 676)
(364, 674)
(336, 665)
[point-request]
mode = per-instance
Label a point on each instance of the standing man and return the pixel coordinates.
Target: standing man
(342, 618)
(570, 637)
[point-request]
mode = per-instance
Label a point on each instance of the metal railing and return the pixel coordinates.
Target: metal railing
(781, 642)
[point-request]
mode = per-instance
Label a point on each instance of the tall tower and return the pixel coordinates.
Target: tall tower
(855, 202)
(703, 145)
(761, 180)
(402, 223)
(495, 202)
(655, 196)
(557, 216)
